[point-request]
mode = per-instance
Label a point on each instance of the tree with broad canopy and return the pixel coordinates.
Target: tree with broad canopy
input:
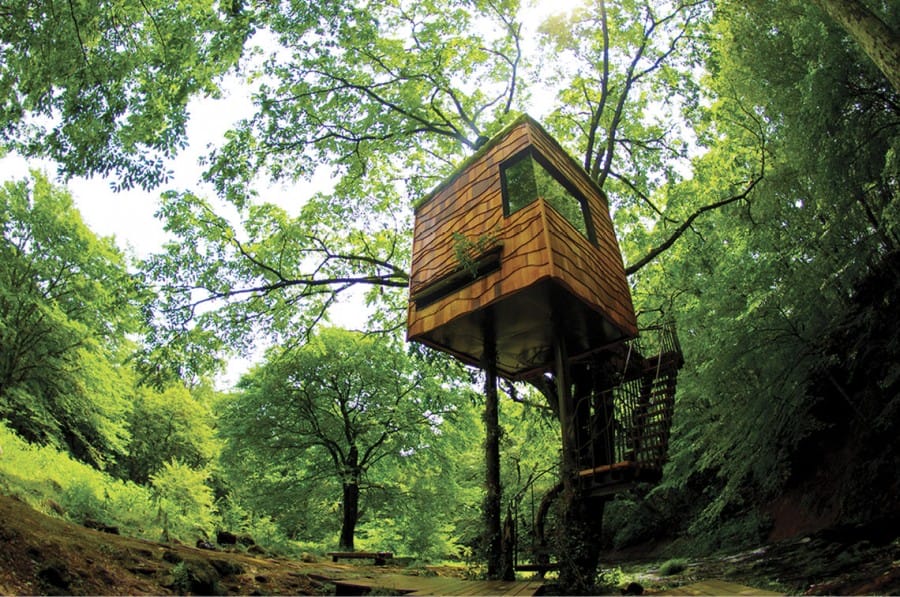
(341, 404)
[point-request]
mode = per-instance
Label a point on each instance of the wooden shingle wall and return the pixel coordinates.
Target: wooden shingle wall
(472, 206)
(594, 272)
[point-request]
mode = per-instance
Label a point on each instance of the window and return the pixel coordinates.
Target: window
(525, 179)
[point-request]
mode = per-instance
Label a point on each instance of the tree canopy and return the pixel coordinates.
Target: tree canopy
(103, 87)
(67, 302)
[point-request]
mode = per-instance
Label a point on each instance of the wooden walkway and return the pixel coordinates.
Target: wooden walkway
(402, 584)
(715, 587)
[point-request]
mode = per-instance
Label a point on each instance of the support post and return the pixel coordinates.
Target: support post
(566, 410)
(493, 534)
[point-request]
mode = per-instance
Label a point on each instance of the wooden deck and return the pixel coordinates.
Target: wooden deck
(715, 587)
(402, 584)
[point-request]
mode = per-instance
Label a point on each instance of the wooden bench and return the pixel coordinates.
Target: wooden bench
(380, 557)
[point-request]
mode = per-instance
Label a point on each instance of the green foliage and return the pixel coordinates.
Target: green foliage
(468, 250)
(66, 303)
(181, 579)
(167, 425)
(179, 505)
(445, 481)
(414, 81)
(627, 98)
(610, 581)
(334, 413)
(254, 276)
(756, 135)
(81, 502)
(184, 500)
(41, 476)
(673, 567)
(530, 452)
(103, 87)
(756, 290)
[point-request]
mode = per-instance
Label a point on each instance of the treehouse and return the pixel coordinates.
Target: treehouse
(518, 247)
(516, 269)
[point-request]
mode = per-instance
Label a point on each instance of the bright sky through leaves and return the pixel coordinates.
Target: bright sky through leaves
(129, 215)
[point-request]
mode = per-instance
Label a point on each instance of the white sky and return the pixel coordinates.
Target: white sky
(129, 215)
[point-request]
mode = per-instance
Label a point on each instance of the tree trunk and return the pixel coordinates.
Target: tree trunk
(492, 500)
(351, 515)
(582, 524)
(508, 548)
(875, 37)
(582, 514)
(351, 500)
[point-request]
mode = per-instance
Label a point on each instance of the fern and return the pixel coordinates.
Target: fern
(468, 250)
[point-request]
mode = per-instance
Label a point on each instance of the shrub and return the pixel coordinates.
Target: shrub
(673, 567)
(81, 502)
(184, 501)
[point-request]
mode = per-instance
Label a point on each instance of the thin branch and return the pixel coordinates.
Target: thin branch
(641, 195)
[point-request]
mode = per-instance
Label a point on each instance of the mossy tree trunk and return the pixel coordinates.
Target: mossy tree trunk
(493, 543)
(585, 445)
(351, 500)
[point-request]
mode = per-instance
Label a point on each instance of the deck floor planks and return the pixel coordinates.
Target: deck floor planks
(433, 585)
(436, 585)
(440, 586)
(716, 587)
(483, 587)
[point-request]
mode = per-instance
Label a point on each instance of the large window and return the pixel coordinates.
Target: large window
(525, 179)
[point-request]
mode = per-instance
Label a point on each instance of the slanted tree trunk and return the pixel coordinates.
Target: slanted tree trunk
(508, 548)
(875, 37)
(351, 500)
(582, 520)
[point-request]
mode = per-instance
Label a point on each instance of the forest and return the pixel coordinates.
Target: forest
(750, 156)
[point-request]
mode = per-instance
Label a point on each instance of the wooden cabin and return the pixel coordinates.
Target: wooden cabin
(518, 244)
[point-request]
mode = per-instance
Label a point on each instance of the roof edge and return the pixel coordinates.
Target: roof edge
(493, 141)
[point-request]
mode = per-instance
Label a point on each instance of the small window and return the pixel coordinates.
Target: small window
(525, 179)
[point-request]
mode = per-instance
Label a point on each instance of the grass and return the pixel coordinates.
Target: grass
(673, 567)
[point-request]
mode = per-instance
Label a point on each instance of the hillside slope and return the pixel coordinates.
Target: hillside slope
(48, 556)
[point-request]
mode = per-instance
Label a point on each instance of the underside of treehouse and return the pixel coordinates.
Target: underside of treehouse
(525, 327)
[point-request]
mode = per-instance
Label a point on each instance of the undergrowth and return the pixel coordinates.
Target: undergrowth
(176, 505)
